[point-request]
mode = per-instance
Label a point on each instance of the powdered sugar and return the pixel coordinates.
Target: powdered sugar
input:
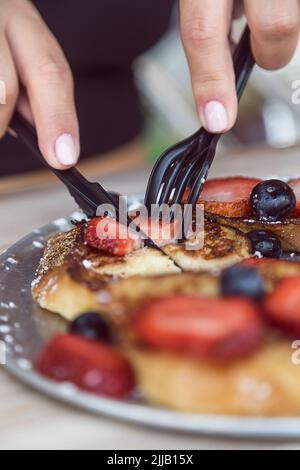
(87, 263)
(11, 261)
(37, 244)
(8, 305)
(4, 329)
(24, 364)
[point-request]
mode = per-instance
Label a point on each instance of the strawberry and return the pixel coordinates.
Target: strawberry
(218, 329)
(295, 185)
(229, 197)
(261, 262)
(92, 366)
(283, 305)
(106, 234)
(162, 232)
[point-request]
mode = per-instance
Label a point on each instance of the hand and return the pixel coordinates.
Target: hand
(32, 61)
(205, 27)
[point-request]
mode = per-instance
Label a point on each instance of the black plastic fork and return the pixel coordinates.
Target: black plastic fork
(186, 165)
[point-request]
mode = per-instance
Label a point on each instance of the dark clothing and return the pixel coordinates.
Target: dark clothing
(100, 38)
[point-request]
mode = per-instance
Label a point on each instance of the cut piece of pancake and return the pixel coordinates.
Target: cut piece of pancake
(71, 249)
(73, 277)
(265, 384)
(71, 274)
(223, 246)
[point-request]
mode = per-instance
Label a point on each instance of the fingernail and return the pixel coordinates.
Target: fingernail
(215, 117)
(65, 150)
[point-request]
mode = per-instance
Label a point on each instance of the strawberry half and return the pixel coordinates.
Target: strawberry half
(229, 197)
(295, 185)
(283, 305)
(162, 232)
(218, 329)
(261, 262)
(106, 234)
(92, 366)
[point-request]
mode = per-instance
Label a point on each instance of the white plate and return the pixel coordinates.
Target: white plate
(24, 328)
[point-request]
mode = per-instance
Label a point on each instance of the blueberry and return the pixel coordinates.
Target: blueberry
(91, 325)
(242, 281)
(272, 200)
(265, 243)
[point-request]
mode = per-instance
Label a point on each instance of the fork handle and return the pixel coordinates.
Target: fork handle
(27, 134)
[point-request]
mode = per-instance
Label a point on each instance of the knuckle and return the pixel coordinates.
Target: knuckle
(213, 80)
(54, 69)
(198, 31)
(59, 118)
(277, 29)
(273, 62)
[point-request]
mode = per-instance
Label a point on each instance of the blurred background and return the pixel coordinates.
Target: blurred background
(134, 98)
(267, 115)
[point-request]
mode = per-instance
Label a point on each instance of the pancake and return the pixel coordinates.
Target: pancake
(288, 230)
(223, 247)
(71, 274)
(265, 384)
(74, 278)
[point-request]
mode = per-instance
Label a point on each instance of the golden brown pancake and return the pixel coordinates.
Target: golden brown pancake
(288, 231)
(223, 247)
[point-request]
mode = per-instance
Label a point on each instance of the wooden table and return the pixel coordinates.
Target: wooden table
(29, 420)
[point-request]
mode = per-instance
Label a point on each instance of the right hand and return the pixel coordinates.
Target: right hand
(205, 26)
(32, 61)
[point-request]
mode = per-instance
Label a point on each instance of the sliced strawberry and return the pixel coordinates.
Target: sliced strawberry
(261, 262)
(106, 234)
(295, 185)
(92, 366)
(283, 305)
(162, 232)
(229, 197)
(219, 329)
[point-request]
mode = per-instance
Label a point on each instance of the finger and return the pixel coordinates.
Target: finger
(48, 81)
(205, 27)
(275, 27)
(23, 107)
(8, 85)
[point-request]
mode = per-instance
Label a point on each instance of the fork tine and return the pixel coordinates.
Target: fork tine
(159, 170)
(168, 158)
(183, 183)
(181, 176)
(172, 176)
(200, 178)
